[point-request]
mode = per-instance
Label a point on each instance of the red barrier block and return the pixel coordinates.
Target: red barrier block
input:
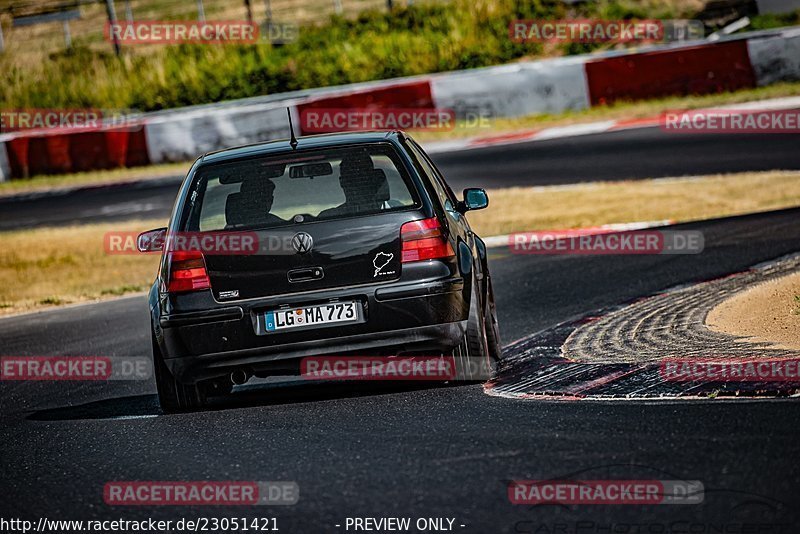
(17, 150)
(90, 150)
(696, 70)
(77, 151)
(117, 147)
(58, 156)
(136, 150)
(402, 95)
(38, 157)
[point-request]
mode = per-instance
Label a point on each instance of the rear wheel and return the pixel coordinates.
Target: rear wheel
(492, 326)
(472, 355)
(173, 396)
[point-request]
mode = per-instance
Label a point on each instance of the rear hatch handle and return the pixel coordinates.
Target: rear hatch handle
(305, 274)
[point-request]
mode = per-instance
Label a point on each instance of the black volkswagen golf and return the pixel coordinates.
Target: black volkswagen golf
(343, 244)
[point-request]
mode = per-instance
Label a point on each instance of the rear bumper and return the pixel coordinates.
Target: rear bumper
(285, 359)
(418, 317)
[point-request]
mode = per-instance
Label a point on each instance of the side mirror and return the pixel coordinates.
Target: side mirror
(152, 240)
(474, 199)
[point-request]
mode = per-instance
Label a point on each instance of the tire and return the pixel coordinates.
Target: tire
(492, 326)
(472, 355)
(173, 396)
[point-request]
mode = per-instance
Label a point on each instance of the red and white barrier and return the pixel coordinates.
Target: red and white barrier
(411, 94)
(516, 90)
(73, 150)
(519, 89)
(775, 58)
(702, 69)
(183, 136)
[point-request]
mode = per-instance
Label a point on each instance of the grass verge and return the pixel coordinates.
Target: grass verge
(680, 199)
(53, 266)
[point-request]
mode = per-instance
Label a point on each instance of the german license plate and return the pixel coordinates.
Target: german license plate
(319, 315)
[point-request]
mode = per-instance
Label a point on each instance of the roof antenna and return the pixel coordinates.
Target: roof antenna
(293, 140)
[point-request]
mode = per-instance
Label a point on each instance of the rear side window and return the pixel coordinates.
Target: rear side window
(301, 186)
(443, 191)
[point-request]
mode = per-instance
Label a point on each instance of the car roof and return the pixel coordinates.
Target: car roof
(305, 142)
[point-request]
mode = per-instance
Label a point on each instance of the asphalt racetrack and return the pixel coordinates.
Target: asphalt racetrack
(422, 451)
(624, 155)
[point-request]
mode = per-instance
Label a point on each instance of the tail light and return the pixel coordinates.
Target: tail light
(424, 240)
(187, 272)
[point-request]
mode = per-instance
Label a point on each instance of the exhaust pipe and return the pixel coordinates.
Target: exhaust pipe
(239, 377)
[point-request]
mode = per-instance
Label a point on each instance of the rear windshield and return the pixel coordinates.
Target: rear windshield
(299, 187)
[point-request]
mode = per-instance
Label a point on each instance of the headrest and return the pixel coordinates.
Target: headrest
(236, 209)
(356, 163)
(382, 185)
(257, 186)
(367, 185)
(251, 203)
